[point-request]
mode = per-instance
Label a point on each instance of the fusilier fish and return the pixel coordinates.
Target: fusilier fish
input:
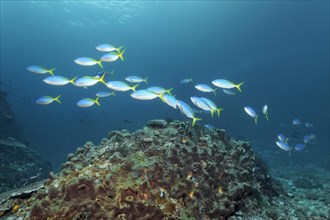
(45, 100)
(113, 56)
(40, 70)
(108, 48)
(86, 81)
(213, 106)
(299, 147)
(58, 80)
(228, 91)
(144, 94)
(88, 102)
(170, 100)
(296, 121)
(160, 90)
(200, 103)
(281, 137)
(136, 79)
(205, 88)
(186, 80)
(105, 94)
(87, 61)
(121, 86)
(225, 84)
(187, 111)
(251, 113)
(283, 145)
(265, 111)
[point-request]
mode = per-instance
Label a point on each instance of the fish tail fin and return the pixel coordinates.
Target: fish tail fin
(290, 151)
(134, 87)
(169, 91)
(102, 79)
(73, 79)
(266, 115)
(100, 63)
(119, 48)
(161, 96)
(212, 112)
(194, 121)
(97, 101)
(191, 80)
(146, 80)
(214, 91)
(286, 140)
(57, 99)
(219, 110)
(113, 93)
(256, 119)
(239, 86)
(121, 54)
(51, 71)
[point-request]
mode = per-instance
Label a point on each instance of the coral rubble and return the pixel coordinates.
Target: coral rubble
(163, 171)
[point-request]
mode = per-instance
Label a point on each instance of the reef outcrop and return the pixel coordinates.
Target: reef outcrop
(167, 170)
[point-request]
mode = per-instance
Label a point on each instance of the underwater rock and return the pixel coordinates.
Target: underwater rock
(163, 171)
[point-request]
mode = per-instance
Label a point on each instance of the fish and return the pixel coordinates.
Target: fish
(205, 88)
(186, 80)
(45, 100)
(87, 61)
(296, 121)
(170, 100)
(309, 138)
(58, 80)
(108, 48)
(283, 145)
(99, 74)
(187, 111)
(251, 113)
(213, 106)
(136, 79)
(40, 70)
(265, 111)
(144, 94)
(105, 94)
(86, 81)
(200, 103)
(225, 84)
(281, 137)
(209, 126)
(299, 147)
(121, 86)
(228, 91)
(113, 56)
(308, 125)
(88, 102)
(159, 90)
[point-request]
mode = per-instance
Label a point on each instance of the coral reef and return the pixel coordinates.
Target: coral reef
(167, 170)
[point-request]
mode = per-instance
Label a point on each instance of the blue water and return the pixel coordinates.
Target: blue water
(279, 49)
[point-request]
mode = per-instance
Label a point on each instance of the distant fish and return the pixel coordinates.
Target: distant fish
(88, 102)
(283, 145)
(87, 61)
(99, 74)
(86, 81)
(225, 84)
(108, 48)
(265, 111)
(113, 56)
(58, 80)
(160, 90)
(170, 100)
(187, 111)
(40, 70)
(309, 138)
(251, 113)
(213, 106)
(209, 126)
(281, 137)
(136, 79)
(121, 86)
(308, 125)
(296, 121)
(299, 147)
(105, 94)
(200, 103)
(228, 91)
(144, 94)
(205, 88)
(45, 100)
(186, 80)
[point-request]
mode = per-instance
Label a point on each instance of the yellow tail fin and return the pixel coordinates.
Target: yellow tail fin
(51, 71)
(119, 48)
(73, 79)
(97, 101)
(194, 121)
(102, 79)
(100, 63)
(219, 110)
(169, 91)
(134, 87)
(145, 80)
(239, 86)
(57, 99)
(121, 54)
(256, 119)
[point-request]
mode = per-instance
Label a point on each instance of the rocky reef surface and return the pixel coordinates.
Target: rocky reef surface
(167, 170)
(20, 165)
